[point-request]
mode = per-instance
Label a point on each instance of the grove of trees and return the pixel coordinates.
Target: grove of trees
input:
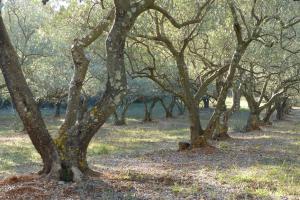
(174, 53)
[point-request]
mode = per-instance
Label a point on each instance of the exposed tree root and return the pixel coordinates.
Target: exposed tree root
(200, 142)
(222, 136)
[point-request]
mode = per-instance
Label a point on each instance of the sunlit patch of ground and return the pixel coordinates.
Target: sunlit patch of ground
(140, 161)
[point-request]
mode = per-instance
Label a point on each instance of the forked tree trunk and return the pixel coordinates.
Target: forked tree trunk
(66, 157)
(120, 117)
(149, 109)
(219, 117)
(253, 121)
(74, 142)
(168, 108)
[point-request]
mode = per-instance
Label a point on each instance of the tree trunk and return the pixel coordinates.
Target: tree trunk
(25, 104)
(253, 122)
(119, 121)
(197, 135)
(279, 113)
(147, 115)
(148, 111)
(221, 127)
(269, 112)
(280, 108)
(205, 101)
(57, 109)
(197, 138)
(219, 110)
(74, 142)
(236, 99)
(83, 108)
(66, 156)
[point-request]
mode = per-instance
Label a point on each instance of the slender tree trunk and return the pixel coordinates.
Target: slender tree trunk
(279, 112)
(280, 108)
(221, 125)
(192, 104)
(147, 114)
(123, 117)
(206, 102)
(269, 112)
(57, 109)
(219, 110)
(236, 98)
(25, 104)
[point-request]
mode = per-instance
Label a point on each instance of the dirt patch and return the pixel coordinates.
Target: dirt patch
(156, 170)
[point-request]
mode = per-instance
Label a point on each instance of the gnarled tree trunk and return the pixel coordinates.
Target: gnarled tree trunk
(65, 158)
(25, 104)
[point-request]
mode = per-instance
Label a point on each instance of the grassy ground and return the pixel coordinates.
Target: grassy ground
(141, 160)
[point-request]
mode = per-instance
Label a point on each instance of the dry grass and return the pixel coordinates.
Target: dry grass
(140, 161)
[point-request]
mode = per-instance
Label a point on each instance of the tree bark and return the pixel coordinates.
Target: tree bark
(236, 98)
(253, 122)
(192, 104)
(83, 108)
(197, 139)
(216, 118)
(269, 112)
(25, 104)
(280, 110)
(74, 142)
(65, 158)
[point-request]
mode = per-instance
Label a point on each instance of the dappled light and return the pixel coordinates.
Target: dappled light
(149, 99)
